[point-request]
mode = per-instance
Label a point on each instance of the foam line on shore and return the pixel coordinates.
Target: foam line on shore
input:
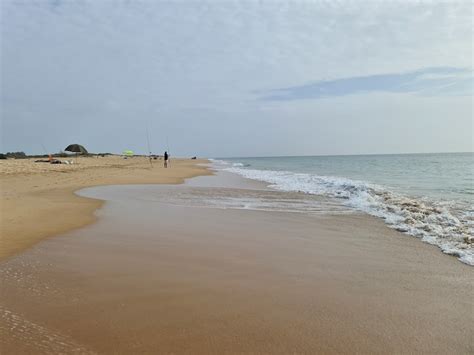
(446, 224)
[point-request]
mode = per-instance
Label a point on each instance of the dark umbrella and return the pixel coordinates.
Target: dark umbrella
(76, 148)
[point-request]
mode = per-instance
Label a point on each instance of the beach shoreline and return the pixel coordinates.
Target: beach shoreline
(38, 200)
(166, 270)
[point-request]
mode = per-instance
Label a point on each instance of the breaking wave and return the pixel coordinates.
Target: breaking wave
(447, 224)
(223, 163)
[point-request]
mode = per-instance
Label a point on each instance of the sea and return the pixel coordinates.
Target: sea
(428, 196)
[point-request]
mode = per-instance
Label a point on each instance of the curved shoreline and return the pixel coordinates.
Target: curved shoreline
(39, 200)
(257, 281)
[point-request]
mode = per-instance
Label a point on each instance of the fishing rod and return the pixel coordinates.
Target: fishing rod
(148, 142)
(44, 148)
(50, 156)
(168, 149)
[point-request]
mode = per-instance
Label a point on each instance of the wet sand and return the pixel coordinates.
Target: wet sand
(163, 277)
(38, 199)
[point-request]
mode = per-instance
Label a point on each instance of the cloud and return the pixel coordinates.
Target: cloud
(86, 70)
(428, 81)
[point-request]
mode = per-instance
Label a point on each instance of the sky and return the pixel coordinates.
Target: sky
(237, 78)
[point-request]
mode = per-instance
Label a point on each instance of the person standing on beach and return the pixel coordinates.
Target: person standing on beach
(166, 159)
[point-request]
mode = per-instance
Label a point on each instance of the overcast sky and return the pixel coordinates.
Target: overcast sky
(237, 78)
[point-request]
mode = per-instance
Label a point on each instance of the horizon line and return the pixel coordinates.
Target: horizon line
(337, 155)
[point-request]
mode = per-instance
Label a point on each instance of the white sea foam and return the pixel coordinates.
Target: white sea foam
(222, 163)
(249, 199)
(237, 165)
(447, 224)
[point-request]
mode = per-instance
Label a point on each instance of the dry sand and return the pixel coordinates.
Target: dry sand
(38, 200)
(151, 277)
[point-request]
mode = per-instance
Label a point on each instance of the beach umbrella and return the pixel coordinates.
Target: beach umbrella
(128, 153)
(76, 148)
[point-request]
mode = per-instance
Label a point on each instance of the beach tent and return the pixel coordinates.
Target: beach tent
(128, 153)
(76, 148)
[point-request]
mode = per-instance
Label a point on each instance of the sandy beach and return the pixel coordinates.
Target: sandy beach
(38, 199)
(165, 271)
(318, 199)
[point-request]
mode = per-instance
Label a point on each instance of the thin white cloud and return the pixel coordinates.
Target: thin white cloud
(427, 81)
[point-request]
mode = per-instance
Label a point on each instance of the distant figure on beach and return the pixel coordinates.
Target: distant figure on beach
(166, 159)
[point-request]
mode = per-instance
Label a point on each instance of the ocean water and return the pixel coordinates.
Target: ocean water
(429, 196)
